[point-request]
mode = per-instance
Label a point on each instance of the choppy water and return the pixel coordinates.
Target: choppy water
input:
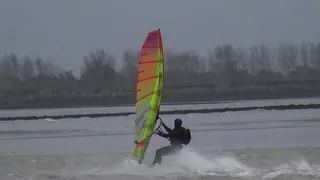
(236, 145)
(289, 163)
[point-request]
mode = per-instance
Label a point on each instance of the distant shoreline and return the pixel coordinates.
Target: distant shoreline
(169, 109)
(222, 100)
(131, 105)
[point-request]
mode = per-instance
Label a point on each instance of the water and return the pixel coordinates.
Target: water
(289, 163)
(164, 107)
(235, 145)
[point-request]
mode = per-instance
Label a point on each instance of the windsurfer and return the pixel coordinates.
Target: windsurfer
(178, 136)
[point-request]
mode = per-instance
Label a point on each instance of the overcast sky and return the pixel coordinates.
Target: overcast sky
(66, 30)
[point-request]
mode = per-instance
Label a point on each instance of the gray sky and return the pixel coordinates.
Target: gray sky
(66, 30)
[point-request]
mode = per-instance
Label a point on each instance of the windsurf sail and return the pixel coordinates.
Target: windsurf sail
(149, 91)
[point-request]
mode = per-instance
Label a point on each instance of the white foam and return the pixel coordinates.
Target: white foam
(187, 162)
(51, 120)
(295, 168)
(220, 165)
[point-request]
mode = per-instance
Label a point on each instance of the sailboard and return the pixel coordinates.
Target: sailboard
(148, 92)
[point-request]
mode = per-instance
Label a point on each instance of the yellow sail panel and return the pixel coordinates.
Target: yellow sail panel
(149, 91)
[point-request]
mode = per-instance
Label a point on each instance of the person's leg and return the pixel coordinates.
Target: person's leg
(159, 153)
(167, 150)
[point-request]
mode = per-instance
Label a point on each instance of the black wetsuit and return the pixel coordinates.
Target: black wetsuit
(174, 136)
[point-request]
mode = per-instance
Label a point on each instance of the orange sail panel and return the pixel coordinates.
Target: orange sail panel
(149, 91)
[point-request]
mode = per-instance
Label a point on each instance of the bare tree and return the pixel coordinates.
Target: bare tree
(45, 68)
(316, 56)
(129, 71)
(254, 59)
(287, 57)
(203, 66)
(99, 71)
(265, 57)
(242, 57)
(27, 69)
(227, 56)
(10, 66)
(211, 61)
(304, 54)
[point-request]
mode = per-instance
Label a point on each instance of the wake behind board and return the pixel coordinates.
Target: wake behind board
(149, 92)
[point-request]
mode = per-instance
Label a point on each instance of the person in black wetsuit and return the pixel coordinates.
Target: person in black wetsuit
(175, 137)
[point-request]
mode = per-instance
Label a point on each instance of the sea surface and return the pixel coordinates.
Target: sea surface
(234, 145)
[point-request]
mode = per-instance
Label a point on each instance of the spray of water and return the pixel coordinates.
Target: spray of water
(302, 168)
(187, 162)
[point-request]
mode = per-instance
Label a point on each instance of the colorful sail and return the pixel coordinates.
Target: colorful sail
(149, 91)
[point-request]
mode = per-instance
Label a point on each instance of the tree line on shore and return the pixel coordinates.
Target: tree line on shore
(225, 66)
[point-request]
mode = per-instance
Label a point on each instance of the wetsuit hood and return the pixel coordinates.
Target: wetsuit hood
(177, 123)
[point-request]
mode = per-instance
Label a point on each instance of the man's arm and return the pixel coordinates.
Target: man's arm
(163, 134)
(165, 126)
